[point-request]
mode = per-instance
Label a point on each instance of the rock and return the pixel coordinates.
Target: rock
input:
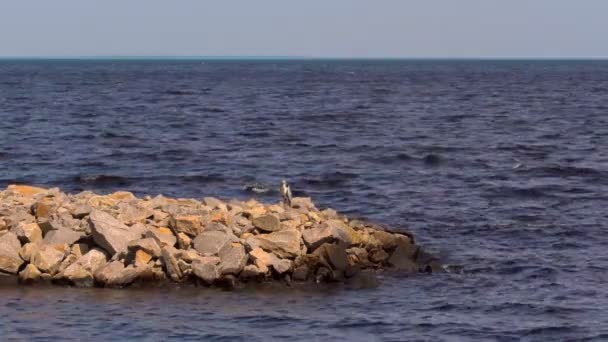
(183, 241)
(170, 262)
(328, 232)
(188, 224)
(211, 242)
(163, 235)
(387, 240)
(284, 244)
(28, 250)
(232, 258)
(81, 211)
(120, 196)
(303, 203)
(209, 273)
(114, 274)
(251, 271)
(131, 213)
(79, 249)
(10, 261)
(336, 256)
(215, 203)
(262, 258)
(427, 262)
(81, 272)
(44, 207)
(61, 236)
(25, 190)
(360, 255)
(267, 223)
(378, 256)
(142, 258)
(48, 258)
(301, 272)
(59, 221)
(30, 274)
(28, 232)
(148, 245)
(110, 234)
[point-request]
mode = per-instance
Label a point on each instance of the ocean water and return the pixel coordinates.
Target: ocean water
(499, 166)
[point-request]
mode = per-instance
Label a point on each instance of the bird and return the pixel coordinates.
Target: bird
(286, 192)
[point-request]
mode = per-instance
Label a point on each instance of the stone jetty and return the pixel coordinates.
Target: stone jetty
(117, 240)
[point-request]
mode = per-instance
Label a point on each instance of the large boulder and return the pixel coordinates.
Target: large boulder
(61, 236)
(10, 261)
(211, 242)
(163, 235)
(189, 224)
(148, 245)
(267, 223)
(110, 234)
(81, 272)
(115, 274)
(48, 258)
(131, 212)
(232, 258)
(207, 272)
(284, 244)
(328, 232)
(28, 232)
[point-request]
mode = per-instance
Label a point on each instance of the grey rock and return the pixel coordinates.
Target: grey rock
(110, 234)
(81, 272)
(170, 261)
(327, 232)
(148, 245)
(209, 273)
(251, 272)
(81, 211)
(233, 258)
(301, 272)
(267, 223)
(10, 261)
(211, 242)
(284, 244)
(62, 236)
(164, 238)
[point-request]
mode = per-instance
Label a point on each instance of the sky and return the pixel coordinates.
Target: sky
(311, 28)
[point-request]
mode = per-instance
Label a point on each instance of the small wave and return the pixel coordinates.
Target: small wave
(102, 180)
(179, 92)
(257, 188)
(432, 159)
(213, 110)
(567, 171)
(331, 180)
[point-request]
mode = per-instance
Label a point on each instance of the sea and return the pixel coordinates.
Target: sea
(498, 166)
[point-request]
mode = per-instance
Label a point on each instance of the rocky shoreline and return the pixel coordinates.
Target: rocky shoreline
(118, 240)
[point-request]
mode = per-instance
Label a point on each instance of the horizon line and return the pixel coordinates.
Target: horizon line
(270, 57)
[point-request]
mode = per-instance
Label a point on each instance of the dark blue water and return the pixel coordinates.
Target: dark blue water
(499, 166)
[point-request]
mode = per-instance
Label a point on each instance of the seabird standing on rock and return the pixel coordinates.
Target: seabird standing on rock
(286, 192)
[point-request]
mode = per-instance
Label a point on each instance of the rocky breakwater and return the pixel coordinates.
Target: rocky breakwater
(118, 239)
